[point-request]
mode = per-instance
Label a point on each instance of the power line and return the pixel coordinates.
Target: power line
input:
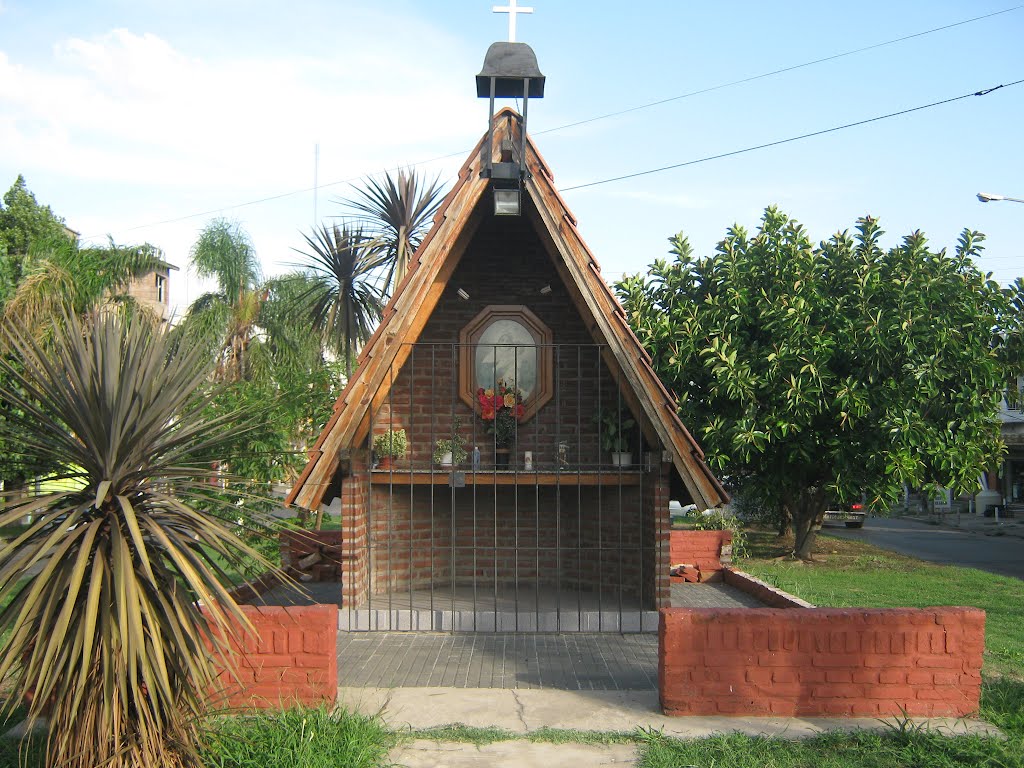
(774, 72)
(720, 86)
(734, 152)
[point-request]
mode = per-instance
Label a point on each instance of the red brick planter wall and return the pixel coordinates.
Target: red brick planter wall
(292, 659)
(700, 548)
(765, 593)
(821, 662)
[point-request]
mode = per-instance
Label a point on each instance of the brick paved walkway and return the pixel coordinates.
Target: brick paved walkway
(711, 596)
(568, 661)
(571, 661)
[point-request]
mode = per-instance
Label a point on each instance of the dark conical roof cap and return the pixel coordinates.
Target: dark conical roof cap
(510, 64)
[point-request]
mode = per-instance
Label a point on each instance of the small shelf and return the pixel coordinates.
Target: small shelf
(610, 476)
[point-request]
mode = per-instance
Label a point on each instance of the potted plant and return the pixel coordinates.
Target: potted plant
(501, 408)
(449, 451)
(615, 427)
(388, 446)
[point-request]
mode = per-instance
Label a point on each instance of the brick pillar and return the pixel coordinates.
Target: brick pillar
(354, 505)
(656, 529)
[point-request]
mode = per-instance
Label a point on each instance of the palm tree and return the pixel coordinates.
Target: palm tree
(113, 595)
(342, 298)
(226, 317)
(397, 214)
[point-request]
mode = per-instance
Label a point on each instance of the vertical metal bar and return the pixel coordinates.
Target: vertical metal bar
(640, 444)
(489, 161)
(522, 128)
(579, 489)
(515, 488)
(599, 375)
(453, 398)
(558, 493)
(391, 494)
(369, 532)
(494, 493)
(618, 433)
(411, 367)
(476, 469)
(433, 534)
(536, 515)
(452, 491)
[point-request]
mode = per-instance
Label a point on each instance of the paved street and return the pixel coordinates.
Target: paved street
(939, 544)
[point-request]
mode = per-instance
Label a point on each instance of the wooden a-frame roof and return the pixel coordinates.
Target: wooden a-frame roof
(417, 295)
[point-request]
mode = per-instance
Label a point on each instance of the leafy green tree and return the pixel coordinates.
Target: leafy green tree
(114, 594)
(1011, 332)
(24, 223)
(226, 318)
(290, 384)
(829, 370)
(342, 300)
(397, 214)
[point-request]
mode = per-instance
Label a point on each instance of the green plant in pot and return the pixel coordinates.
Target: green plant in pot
(388, 446)
(615, 435)
(451, 451)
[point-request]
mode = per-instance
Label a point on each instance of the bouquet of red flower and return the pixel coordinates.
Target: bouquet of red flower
(501, 408)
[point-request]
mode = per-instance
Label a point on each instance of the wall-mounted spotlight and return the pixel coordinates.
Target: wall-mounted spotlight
(462, 294)
(507, 200)
(545, 290)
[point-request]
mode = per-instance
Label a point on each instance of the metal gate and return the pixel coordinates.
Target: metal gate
(559, 539)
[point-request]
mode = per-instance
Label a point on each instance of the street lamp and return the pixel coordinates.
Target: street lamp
(987, 198)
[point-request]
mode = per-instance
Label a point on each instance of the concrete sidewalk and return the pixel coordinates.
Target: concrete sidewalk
(987, 526)
(528, 710)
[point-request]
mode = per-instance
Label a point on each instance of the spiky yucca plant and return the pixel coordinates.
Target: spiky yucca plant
(104, 630)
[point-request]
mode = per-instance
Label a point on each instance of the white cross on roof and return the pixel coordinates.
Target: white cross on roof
(511, 9)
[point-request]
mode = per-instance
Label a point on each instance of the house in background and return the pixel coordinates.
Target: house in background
(152, 290)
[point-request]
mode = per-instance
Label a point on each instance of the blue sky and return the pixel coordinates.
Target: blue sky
(126, 113)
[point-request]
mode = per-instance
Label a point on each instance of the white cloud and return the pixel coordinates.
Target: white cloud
(131, 128)
(128, 107)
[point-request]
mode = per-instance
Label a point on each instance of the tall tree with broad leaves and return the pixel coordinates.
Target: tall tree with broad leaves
(342, 297)
(397, 214)
(829, 371)
(24, 223)
(226, 318)
(114, 595)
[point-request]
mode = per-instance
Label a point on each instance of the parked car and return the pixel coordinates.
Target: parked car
(853, 514)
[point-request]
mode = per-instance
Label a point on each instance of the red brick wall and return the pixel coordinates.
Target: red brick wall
(584, 538)
(821, 662)
(292, 659)
(700, 548)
